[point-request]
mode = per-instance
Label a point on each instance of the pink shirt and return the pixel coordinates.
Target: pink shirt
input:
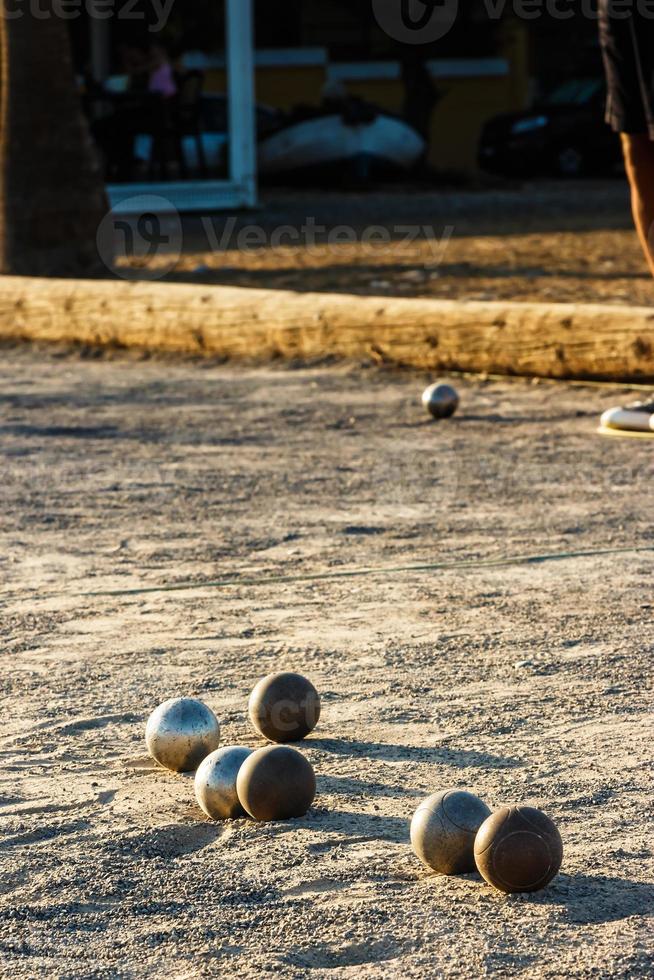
(162, 81)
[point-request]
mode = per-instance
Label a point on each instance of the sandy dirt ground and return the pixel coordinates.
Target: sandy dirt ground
(550, 241)
(526, 682)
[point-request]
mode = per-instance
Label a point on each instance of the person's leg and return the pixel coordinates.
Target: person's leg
(627, 44)
(639, 162)
(628, 50)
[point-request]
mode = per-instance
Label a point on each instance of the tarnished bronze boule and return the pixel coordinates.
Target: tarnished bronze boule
(276, 783)
(518, 849)
(441, 400)
(215, 782)
(284, 707)
(443, 830)
(181, 732)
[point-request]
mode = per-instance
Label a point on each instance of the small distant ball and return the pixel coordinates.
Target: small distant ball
(440, 400)
(215, 782)
(518, 849)
(284, 707)
(443, 831)
(181, 732)
(276, 783)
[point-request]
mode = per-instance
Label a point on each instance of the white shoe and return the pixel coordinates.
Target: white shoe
(638, 417)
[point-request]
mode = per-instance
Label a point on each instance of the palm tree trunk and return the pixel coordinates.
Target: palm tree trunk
(52, 196)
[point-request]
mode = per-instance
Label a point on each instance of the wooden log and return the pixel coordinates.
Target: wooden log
(536, 339)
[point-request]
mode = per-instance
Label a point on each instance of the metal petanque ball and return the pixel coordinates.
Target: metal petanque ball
(284, 707)
(276, 783)
(215, 782)
(518, 849)
(181, 732)
(440, 400)
(443, 830)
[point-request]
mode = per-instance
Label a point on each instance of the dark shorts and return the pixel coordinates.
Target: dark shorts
(627, 39)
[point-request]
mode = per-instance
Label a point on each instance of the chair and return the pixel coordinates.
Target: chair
(176, 119)
(187, 114)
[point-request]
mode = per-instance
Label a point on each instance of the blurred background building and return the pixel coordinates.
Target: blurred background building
(482, 67)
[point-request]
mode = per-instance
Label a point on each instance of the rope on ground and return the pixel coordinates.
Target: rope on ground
(453, 566)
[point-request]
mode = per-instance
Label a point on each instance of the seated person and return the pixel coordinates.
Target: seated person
(141, 109)
(161, 77)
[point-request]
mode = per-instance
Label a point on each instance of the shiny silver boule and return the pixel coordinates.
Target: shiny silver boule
(440, 400)
(443, 831)
(181, 732)
(215, 782)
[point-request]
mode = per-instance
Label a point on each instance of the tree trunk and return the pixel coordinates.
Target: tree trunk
(52, 196)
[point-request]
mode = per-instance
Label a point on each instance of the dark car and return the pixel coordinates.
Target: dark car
(564, 134)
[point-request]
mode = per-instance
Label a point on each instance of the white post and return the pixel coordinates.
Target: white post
(240, 190)
(240, 83)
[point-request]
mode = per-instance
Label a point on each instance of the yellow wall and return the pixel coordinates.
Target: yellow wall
(516, 49)
(466, 105)
(279, 87)
(459, 118)
(286, 87)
